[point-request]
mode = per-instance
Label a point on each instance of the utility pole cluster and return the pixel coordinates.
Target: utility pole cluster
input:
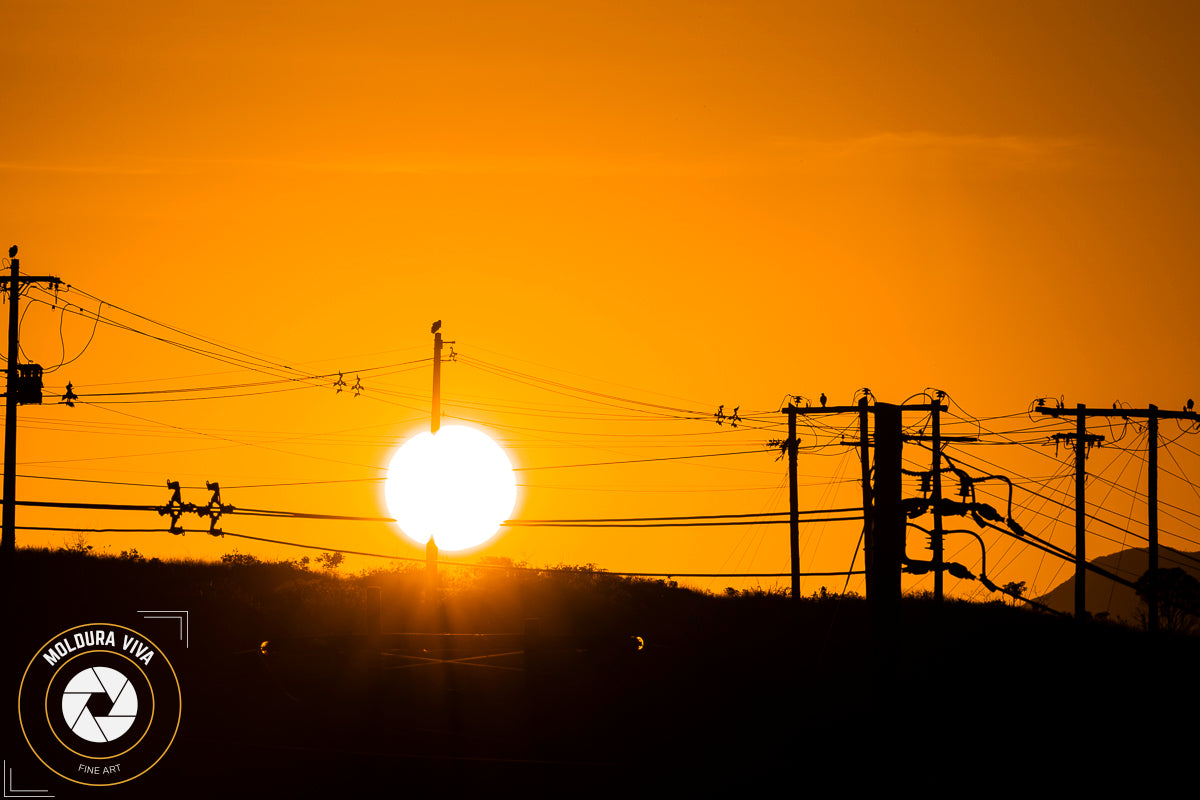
(887, 513)
(1083, 442)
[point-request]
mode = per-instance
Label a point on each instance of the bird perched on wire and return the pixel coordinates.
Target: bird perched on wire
(434, 328)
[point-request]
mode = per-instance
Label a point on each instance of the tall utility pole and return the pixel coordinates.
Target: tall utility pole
(794, 500)
(1152, 517)
(938, 536)
(1081, 444)
(938, 551)
(890, 524)
(864, 454)
(435, 416)
(1152, 414)
(435, 424)
(16, 392)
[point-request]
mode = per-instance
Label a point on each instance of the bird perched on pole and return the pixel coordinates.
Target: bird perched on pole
(824, 399)
(434, 328)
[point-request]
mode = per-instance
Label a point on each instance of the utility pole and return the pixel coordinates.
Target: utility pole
(435, 415)
(1081, 443)
(24, 386)
(889, 524)
(938, 552)
(435, 424)
(934, 486)
(864, 454)
(794, 500)
(1152, 414)
(1152, 518)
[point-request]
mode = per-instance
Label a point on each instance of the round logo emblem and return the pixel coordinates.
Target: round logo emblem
(85, 708)
(99, 704)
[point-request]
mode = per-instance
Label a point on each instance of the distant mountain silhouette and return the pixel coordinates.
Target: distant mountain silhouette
(1120, 602)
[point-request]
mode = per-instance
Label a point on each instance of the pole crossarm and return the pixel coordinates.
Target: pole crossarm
(808, 410)
(1125, 413)
(6, 280)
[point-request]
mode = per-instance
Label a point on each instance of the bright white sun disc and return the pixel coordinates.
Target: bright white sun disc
(456, 485)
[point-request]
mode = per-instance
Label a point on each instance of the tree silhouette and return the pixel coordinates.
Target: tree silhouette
(1015, 590)
(331, 561)
(1178, 597)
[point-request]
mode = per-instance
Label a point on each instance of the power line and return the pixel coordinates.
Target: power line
(643, 460)
(462, 564)
(542, 524)
(676, 521)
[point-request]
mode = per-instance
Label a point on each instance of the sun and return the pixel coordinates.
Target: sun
(456, 485)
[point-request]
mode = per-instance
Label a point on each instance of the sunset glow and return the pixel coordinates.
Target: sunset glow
(628, 215)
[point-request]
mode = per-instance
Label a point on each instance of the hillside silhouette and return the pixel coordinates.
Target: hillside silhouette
(722, 687)
(1105, 596)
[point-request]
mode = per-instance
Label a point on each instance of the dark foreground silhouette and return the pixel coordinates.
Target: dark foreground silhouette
(576, 681)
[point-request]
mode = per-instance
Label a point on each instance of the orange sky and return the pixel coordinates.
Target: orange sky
(682, 203)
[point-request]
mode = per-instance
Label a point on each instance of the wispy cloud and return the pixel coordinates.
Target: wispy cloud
(879, 153)
(933, 150)
(76, 169)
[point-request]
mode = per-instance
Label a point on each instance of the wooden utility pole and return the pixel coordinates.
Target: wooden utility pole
(864, 453)
(1152, 518)
(8, 534)
(1081, 443)
(883, 571)
(938, 550)
(1152, 414)
(435, 424)
(937, 537)
(15, 393)
(793, 448)
(435, 409)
